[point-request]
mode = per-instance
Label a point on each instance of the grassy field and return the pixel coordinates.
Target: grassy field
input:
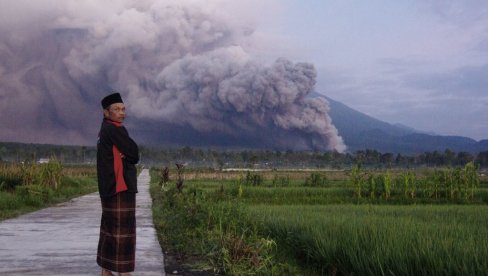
(378, 239)
(314, 223)
(28, 188)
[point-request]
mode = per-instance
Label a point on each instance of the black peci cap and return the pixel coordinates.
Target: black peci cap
(111, 99)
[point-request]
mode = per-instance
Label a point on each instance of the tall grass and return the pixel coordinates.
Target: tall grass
(48, 175)
(449, 184)
(320, 221)
(379, 240)
(210, 229)
(28, 187)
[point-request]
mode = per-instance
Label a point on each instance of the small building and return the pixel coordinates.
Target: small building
(43, 161)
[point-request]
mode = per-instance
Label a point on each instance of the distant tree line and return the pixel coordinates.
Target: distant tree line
(298, 159)
(224, 158)
(20, 152)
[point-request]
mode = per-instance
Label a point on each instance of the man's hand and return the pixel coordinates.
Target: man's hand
(122, 155)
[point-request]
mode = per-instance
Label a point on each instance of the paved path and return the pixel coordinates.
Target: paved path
(62, 240)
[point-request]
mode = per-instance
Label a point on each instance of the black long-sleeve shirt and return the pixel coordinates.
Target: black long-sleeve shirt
(116, 174)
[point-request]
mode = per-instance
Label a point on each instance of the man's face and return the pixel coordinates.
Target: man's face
(115, 112)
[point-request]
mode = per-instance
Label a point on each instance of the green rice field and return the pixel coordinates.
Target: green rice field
(320, 226)
(379, 240)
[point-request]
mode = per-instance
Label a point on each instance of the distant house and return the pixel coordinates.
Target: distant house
(43, 161)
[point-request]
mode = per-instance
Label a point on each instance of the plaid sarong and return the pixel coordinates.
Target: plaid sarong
(117, 244)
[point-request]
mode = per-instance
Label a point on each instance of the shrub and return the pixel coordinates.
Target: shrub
(253, 179)
(316, 180)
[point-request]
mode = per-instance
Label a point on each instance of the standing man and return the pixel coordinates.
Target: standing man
(117, 155)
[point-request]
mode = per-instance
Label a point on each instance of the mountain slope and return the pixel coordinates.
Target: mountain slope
(361, 131)
(351, 122)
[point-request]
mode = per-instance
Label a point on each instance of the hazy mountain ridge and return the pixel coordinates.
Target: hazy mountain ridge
(361, 131)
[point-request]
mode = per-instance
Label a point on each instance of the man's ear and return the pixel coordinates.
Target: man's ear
(106, 113)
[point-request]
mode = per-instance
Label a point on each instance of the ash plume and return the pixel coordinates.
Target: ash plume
(184, 69)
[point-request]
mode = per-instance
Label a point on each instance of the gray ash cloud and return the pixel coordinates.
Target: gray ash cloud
(184, 70)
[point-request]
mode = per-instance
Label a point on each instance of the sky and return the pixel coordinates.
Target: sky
(194, 70)
(423, 64)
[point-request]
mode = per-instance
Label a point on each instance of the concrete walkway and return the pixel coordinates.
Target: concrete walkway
(62, 240)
